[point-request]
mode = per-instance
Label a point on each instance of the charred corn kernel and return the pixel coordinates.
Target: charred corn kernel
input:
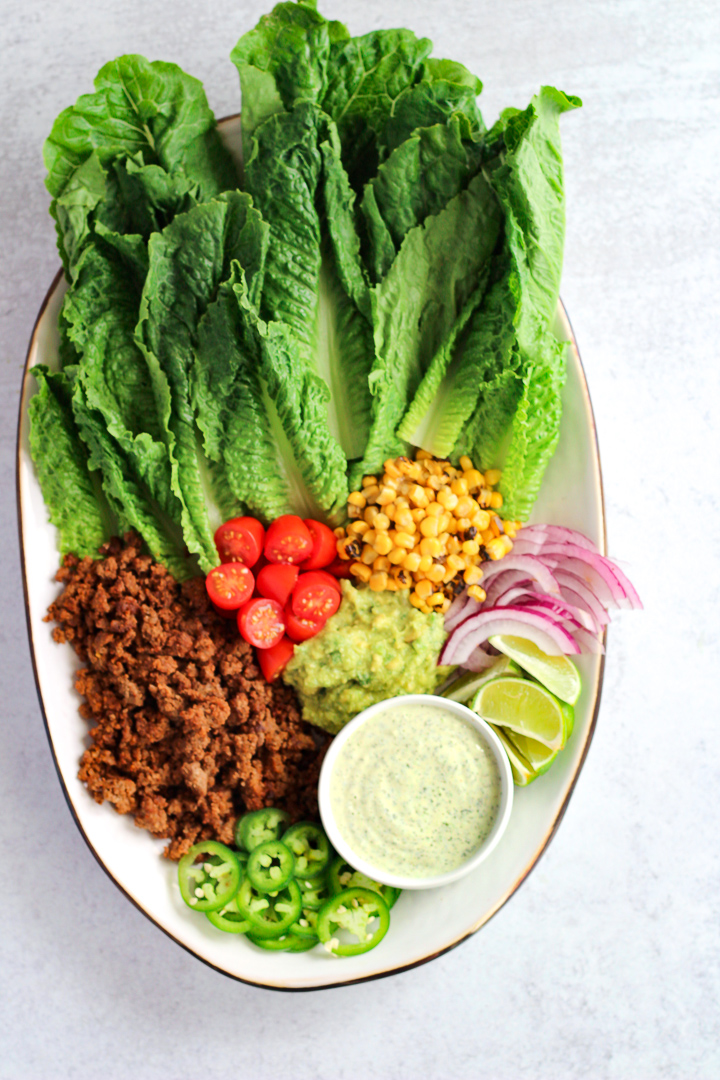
(405, 540)
(445, 605)
(392, 585)
(455, 563)
(429, 526)
(465, 463)
(495, 526)
(435, 600)
(392, 467)
(425, 564)
(435, 483)
(370, 514)
(369, 481)
(424, 588)
(371, 493)
(370, 537)
(496, 500)
(401, 575)
(484, 496)
(369, 555)
(449, 575)
(349, 548)
(383, 544)
(447, 498)
(481, 520)
(339, 534)
(487, 535)
(474, 479)
(464, 524)
(496, 548)
(396, 555)
(382, 521)
(430, 545)
(466, 507)
(492, 477)
(472, 575)
(453, 546)
(477, 593)
(423, 455)
(436, 573)
(390, 482)
(470, 547)
(434, 509)
(416, 601)
(417, 495)
(354, 512)
(411, 561)
(459, 486)
(381, 563)
(378, 581)
(361, 571)
(358, 528)
(356, 498)
(418, 514)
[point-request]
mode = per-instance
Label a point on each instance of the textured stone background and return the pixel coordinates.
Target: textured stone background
(605, 964)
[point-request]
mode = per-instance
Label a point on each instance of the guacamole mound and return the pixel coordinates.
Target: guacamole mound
(376, 646)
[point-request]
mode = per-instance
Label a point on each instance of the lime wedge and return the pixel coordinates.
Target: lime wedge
(539, 756)
(522, 770)
(557, 674)
(463, 688)
(524, 707)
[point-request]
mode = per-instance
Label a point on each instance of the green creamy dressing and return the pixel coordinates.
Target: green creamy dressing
(415, 790)
(375, 647)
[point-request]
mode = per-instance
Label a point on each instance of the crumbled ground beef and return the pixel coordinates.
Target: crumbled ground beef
(187, 734)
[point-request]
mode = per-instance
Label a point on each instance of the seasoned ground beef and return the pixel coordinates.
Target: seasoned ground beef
(187, 734)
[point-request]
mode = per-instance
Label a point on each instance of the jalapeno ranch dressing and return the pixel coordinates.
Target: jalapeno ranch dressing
(415, 790)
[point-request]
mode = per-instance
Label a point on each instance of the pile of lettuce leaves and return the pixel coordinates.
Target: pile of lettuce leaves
(379, 272)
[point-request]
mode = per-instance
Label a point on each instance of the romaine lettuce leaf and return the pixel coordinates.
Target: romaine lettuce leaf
(444, 88)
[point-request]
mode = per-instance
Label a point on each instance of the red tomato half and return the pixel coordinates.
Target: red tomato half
(240, 540)
(229, 585)
(300, 629)
(261, 622)
(276, 581)
(316, 596)
(288, 540)
(273, 660)
(324, 545)
(340, 568)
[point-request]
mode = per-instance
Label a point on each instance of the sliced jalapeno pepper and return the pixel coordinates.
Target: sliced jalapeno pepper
(209, 875)
(259, 826)
(343, 876)
(270, 914)
(287, 943)
(229, 918)
(311, 849)
(270, 866)
(315, 891)
(306, 925)
(353, 910)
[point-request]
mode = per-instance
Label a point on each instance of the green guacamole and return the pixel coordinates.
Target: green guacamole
(375, 647)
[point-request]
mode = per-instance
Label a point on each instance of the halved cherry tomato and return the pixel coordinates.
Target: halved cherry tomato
(340, 568)
(316, 596)
(288, 540)
(240, 540)
(324, 545)
(300, 629)
(261, 622)
(277, 580)
(230, 585)
(273, 660)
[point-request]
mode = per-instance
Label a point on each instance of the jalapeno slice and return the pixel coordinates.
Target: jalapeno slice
(343, 876)
(270, 866)
(353, 911)
(259, 826)
(209, 875)
(311, 849)
(306, 925)
(315, 891)
(270, 914)
(229, 918)
(286, 943)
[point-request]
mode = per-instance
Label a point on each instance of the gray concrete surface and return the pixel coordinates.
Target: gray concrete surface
(606, 962)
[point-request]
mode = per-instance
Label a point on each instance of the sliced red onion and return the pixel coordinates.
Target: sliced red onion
(588, 642)
(530, 564)
(501, 582)
(543, 532)
(581, 611)
(571, 583)
(599, 564)
(516, 592)
(538, 627)
(587, 573)
(478, 660)
(466, 606)
(556, 609)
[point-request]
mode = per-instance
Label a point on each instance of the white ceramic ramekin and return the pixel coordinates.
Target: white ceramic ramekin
(453, 708)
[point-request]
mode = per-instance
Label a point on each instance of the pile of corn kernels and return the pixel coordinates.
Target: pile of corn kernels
(426, 526)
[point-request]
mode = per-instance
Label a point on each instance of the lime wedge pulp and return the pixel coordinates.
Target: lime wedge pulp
(525, 707)
(467, 685)
(557, 674)
(538, 756)
(522, 770)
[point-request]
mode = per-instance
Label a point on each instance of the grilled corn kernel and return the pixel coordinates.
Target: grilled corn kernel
(471, 547)
(465, 463)
(397, 555)
(472, 575)
(404, 465)
(425, 564)
(423, 588)
(466, 507)
(463, 524)
(481, 520)
(449, 574)
(444, 522)
(434, 509)
(354, 512)
(445, 605)
(423, 455)
(416, 601)
(477, 593)
(507, 544)
(401, 576)
(404, 519)
(392, 585)
(492, 477)
(487, 536)
(369, 481)
(369, 555)
(435, 600)
(447, 499)
(455, 563)
(356, 498)
(453, 546)
(405, 540)
(459, 486)
(361, 571)
(383, 544)
(370, 514)
(387, 495)
(496, 500)
(434, 483)
(370, 536)
(484, 496)
(378, 581)
(430, 545)
(495, 526)
(474, 479)
(391, 467)
(390, 511)
(371, 493)
(510, 529)
(418, 514)
(429, 526)
(436, 573)
(496, 548)
(382, 521)
(358, 528)
(381, 563)
(417, 496)
(411, 561)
